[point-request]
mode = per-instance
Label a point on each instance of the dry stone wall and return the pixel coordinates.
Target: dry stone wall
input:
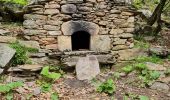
(110, 24)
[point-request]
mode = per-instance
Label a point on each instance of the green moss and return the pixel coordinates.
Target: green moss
(20, 2)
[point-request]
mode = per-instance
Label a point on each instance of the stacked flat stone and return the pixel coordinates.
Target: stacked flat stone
(112, 23)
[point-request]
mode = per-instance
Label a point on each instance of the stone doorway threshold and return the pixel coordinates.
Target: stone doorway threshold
(71, 58)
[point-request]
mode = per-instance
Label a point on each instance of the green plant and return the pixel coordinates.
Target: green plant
(140, 66)
(127, 69)
(54, 96)
(141, 97)
(49, 75)
(46, 87)
(10, 86)
(153, 58)
(141, 44)
(21, 2)
(167, 72)
(107, 87)
(21, 56)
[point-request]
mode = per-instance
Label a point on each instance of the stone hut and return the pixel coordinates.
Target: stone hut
(68, 29)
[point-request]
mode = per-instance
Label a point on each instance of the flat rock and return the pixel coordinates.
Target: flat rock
(30, 44)
(6, 54)
(160, 86)
(4, 32)
(155, 67)
(68, 9)
(30, 67)
(87, 67)
(159, 51)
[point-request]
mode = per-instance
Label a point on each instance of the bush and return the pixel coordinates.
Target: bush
(21, 56)
(107, 87)
(20, 2)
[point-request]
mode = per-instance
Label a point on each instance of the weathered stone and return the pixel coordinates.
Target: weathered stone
(6, 54)
(116, 31)
(129, 30)
(100, 14)
(127, 14)
(68, 28)
(120, 47)
(103, 23)
(159, 51)
(4, 32)
(104, 31)
(87, 68)
(51, 28)
(165, 80)
(68, 9)
(36, 55)
(64, 43)
(37, 91)
(30, 44)
(125, 35)
(100, 43)
(51, 11)
(130, 54)
(30, 67)
(52, 22)
(52, 46)
(131, 20)
(35, 17)
(54, 33)
(47, 41)
(52, 6)
(30, 24)
(75, 1)
(155, 67)
(115, 11)
(40, 22)
(7, 39)
(160, 86)
(121, 41)
(1, 71)
(34, 32)
(84, 9)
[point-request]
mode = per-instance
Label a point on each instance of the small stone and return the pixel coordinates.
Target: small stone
(103, 23)
(131, 20)
(159, 51)
(116, 31)
(36, 91)
(1, 71)
(68, 9)
(127, 14)
(51, 11)
(54, 33)
(119, 47)
(165, 80)
(30, 67)
(160, 86)
(34, 17)
(52, 6)
(155, 67)
(34, 32)
(51, 28)
(100, 14)
(125, 35)
(115, 11)
(52, 46)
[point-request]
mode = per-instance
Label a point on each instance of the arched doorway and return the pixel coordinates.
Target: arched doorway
(80, 40)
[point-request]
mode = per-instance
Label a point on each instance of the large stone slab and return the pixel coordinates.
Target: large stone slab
(68, 28)
(87, 68)
(64, 43)
(6, 54)
(100, 43)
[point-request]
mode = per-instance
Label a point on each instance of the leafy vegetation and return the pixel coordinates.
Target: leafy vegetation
(21, 2)
(10, 86)
(21, 56)
(54, 96)
(107, 87)
(49, 75)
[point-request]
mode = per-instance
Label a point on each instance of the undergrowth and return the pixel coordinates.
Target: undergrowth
(20, 2)
(21, 56)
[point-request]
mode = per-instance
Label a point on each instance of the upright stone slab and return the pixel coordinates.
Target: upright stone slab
(87, 67)
(6, 54)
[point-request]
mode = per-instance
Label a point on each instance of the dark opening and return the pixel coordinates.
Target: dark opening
(80, 40)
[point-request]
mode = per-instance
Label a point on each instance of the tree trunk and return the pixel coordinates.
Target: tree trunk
(157, 13)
